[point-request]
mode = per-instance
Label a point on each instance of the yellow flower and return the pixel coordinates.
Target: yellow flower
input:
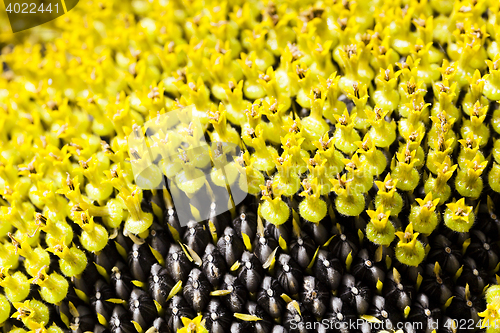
(491, 314)
(24, 311)
(388, 186)
(427, 202)
(195, 325)
(460, 210)
(407, 238)
(379, 217)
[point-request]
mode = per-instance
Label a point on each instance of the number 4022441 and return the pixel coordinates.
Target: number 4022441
(31, 8)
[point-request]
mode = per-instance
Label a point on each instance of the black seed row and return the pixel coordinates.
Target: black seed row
(348, 279)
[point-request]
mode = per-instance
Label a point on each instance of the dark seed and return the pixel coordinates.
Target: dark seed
(261, 326)
(355, 293)
(446, 253)
(142, 307)
(296, 322)
(317, 231)
(437, 285)
(387, 314)
(365, 269)
(473, 275)
(217, 318)
(269, 297)
(219, 220)
(328, 270)
(276, 231)
(98, 301)
(314, 296)
(398, 292)
(176, 308)
(278, 329)
(158, 239)
(108, 257)
(89, 274)
(197, 237)
(124, 241)
(484, 251)
(161, 326)
(160, 283)
(302, 250)
(230, 246)
(197, 290)
(214, 265)
(121, 281)
(140, 260)
(240, 327)
(121, 321)
(85, 321)
(342, 245)
(178, 265)
(341, 315)
(246, 222)
(422, 312)
(250, 272)
(238, 294)
(263, 246)
(289, 274)
(100, 329)
(171, 219)
(466, 306)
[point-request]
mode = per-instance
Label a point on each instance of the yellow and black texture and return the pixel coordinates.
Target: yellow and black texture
(370, 138)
